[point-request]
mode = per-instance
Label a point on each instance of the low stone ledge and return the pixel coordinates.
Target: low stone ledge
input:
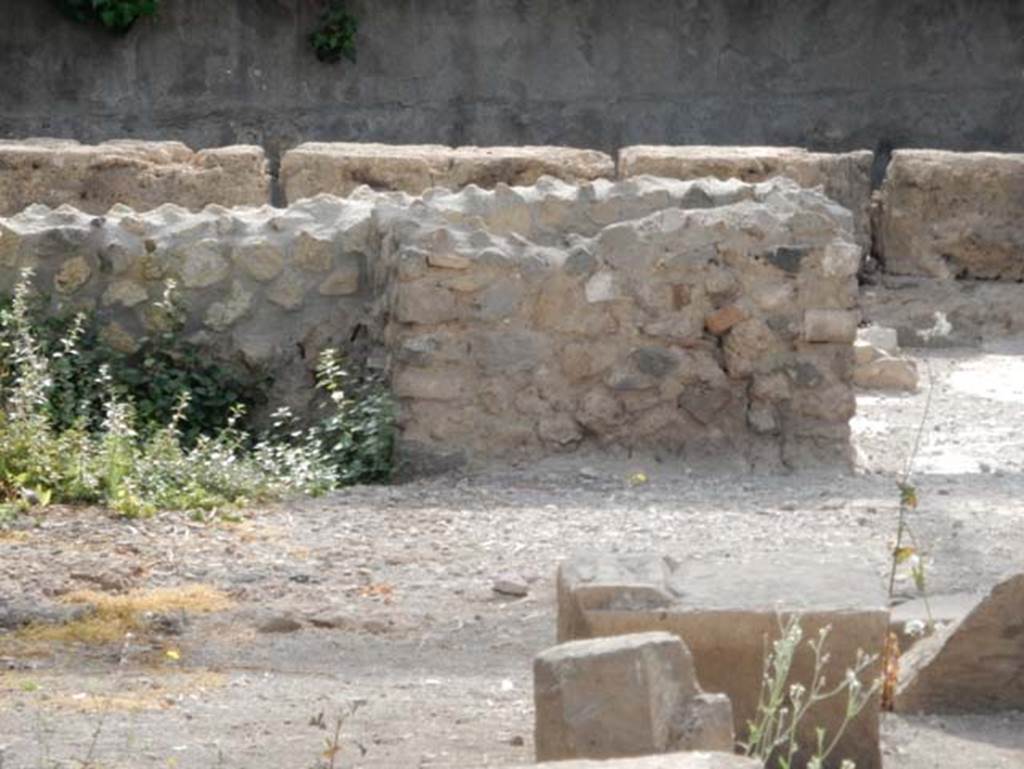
(953, 215)
(141, 175)
(845, 177)
(723, 612)
(340, 168)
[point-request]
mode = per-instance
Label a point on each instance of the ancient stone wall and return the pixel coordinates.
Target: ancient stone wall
(265, 288)
(833, 75)
(688, 318)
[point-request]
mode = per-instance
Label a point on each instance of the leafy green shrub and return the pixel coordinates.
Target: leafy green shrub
(136, 471)
(335, 34)
(784, 705)
(153, 377)
(116, 15)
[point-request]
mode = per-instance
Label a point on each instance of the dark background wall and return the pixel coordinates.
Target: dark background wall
(826, 74)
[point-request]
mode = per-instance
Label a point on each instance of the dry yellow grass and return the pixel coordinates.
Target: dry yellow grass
(110, 694)
(116, 615)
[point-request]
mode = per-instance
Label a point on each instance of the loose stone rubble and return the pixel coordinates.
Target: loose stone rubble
(953, 215)
(975, 665)
(878, 364)
(339, 168)
(844, 177)
(631, 695)
(141, 175)
(724, 611)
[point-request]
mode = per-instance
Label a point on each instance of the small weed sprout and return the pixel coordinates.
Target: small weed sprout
(784, 705)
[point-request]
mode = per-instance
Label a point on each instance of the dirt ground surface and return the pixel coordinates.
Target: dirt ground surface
(381, 598)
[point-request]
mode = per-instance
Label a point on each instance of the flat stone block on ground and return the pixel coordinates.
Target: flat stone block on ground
(974, 665)
(845, 177)
(629, 695)
(724, 611)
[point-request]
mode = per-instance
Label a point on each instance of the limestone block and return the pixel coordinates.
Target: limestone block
(884, 372)
(339, 168)
(142, 175)
(845, 177)
(830, 325)
(519, 166)
(723, 611)
(631, 695)
(688, 760)
(975, 664)
(953, 215)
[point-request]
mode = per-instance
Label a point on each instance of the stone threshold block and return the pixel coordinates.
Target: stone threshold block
(339, 168)
(953, 215)
(138, 174)
(973, 665)
(724, 611)
(629, 695)
(689, 760)
(845, 177)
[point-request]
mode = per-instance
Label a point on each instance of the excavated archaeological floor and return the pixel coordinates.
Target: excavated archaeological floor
(399, 581)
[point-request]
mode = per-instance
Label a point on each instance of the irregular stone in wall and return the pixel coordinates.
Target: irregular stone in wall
(724, 611)
(953, 215)
(142, 175)
(845, 177)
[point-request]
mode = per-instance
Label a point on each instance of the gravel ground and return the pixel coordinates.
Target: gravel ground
(382, 596)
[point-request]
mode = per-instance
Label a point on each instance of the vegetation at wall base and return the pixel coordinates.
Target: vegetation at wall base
(96, 449)
(115, 15)
(335, 34)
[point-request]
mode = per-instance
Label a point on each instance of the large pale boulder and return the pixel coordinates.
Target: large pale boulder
(142, 175)
(724, 611)
(953, 215)
(973, 665)
(629, 695)
(844, 177)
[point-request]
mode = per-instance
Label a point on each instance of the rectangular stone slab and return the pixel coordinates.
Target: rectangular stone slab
(338, 168)
(845, 177)
(142, 175)
(724, 611)
(953, 215)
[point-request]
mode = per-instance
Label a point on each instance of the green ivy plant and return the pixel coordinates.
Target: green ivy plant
(116, 15)
(335, 34)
